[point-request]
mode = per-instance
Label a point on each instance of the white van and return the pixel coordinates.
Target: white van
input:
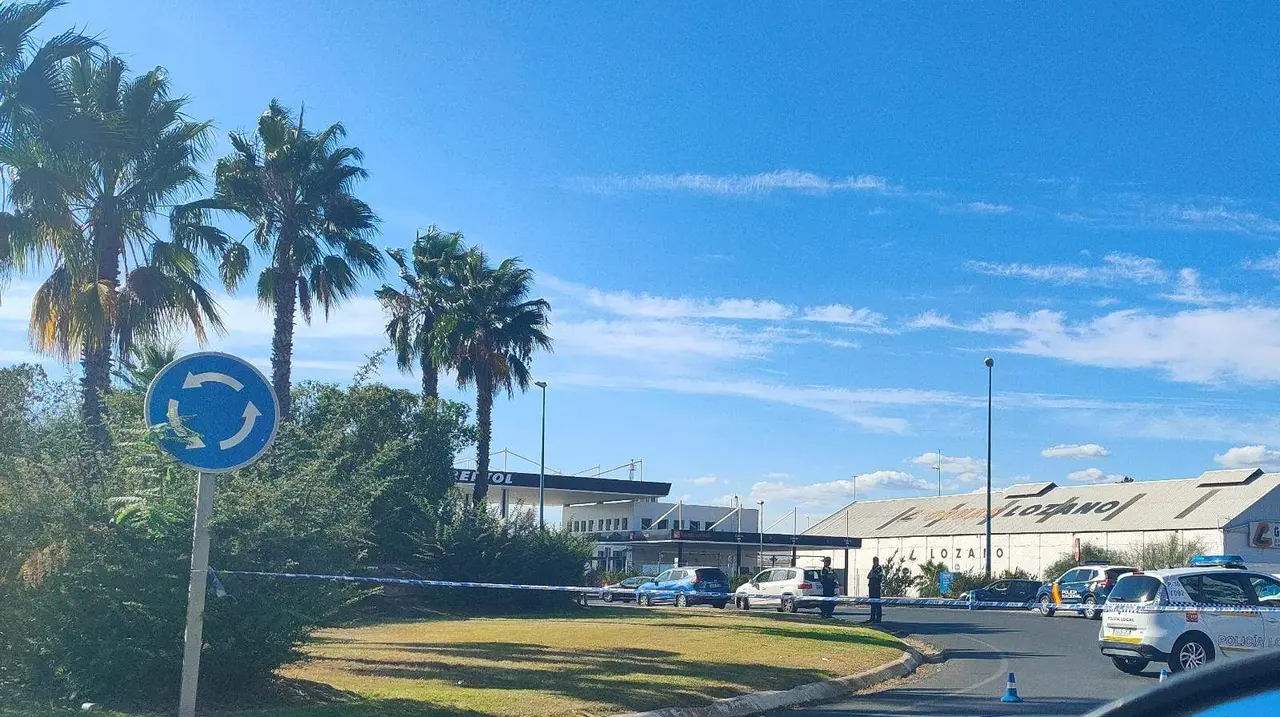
(1190, 637)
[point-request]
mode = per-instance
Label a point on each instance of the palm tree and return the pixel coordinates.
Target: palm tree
(143, 364)
(34, 100)
(296, 188)
(90, 208)
(415, 311)
(489, 334)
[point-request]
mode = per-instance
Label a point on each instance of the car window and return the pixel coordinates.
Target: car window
(1115, 573)
(1069, 576)
(1002, 586)
(761, 577)
(712, 574)
(1267, 589)
(813, 575)
(664, 575)
(1136, 588)
(1216, 589)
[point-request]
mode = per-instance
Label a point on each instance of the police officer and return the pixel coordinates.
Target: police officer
(874, 578)
(829, 584)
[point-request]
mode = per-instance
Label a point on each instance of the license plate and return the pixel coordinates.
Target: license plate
(1121, 630)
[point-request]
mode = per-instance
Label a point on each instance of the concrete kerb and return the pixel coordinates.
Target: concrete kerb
(913, 656)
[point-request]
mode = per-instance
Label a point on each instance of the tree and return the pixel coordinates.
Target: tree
(140, 367)
(428, 279)
(489, 335)
(34, 99)
(898, 578)
(296, 187)
(90, 206)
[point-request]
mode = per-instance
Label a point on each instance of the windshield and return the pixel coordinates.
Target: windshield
(712, 574)
(813, 576)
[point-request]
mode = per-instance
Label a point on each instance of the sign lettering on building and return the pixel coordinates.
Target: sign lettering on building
(1022, 508)
(1264, 534)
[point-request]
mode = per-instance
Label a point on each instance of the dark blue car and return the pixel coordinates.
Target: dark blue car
(1019, 591)
(683, 587)
(1087, 586)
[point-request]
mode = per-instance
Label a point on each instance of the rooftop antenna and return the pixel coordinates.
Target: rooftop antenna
(938, 467)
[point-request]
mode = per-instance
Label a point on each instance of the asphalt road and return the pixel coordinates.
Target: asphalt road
(1059, 669)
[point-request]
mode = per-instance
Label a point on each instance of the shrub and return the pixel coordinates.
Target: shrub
(898, 578)
(1088, 552)
(470, 544)
(1018, 574)
(93, 573)
(1173, 552)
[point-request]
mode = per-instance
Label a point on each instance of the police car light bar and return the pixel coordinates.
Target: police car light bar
(1218, 561)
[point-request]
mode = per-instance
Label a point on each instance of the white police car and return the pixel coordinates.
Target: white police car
(1220, 613)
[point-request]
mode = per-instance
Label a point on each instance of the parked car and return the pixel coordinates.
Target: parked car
(625, 590)
(686, 586)
(1087, 586)
(1189, 638)
(787, 589)
(1024, 591)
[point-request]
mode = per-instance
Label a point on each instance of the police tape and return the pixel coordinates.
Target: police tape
(715, 597)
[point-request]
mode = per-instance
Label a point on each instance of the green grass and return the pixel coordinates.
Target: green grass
(598, 662)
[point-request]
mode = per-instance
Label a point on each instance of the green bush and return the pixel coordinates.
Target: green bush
(93, 572)
(1088, 552)
(1174, 552)
(1018, 574)
(898, 578)
(467, 544)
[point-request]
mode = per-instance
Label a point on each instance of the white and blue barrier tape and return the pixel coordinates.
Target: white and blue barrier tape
(806, 600)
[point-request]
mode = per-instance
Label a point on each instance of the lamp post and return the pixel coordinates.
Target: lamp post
(542, 465)
(990, 362)
(760, 524)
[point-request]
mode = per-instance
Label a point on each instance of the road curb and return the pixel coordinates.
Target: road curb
(825, 691)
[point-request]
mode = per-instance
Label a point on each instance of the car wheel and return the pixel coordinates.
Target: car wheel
(608, 596)
(1130, 665)
(1190, 652)
(1046, 608)
(719, 604)
(1091, 611)
(744, 604)
(789, 604)
(682, 601)
(645, 600)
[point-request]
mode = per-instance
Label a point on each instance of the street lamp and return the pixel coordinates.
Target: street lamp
(760, 525)
(542, 466)
(990, 362)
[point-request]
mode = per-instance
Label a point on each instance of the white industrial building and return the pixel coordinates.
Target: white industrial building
(1232, 511)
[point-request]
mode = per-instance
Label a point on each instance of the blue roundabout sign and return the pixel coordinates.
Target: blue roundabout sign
(227, 407)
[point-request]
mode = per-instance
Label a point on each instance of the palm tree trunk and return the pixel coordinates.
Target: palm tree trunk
(285, 300)
(430, 378)
(484, 421)
(96, 363)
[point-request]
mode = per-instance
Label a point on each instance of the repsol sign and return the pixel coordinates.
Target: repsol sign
(495, 477)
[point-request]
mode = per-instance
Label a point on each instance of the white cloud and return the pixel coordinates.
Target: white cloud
(1093, 475)
(985, 208)
(1215, 218)
(737, 185)
(778, 476)
(966, 469)
(1267, 263)
(843, 314)
(1189, 291)
(657, 342)
(1115, 269)
(709, 479)
(830, 495)
(931, 320)
(1075, 450)
(1201, 345)
(657, 307)
(1258, 456)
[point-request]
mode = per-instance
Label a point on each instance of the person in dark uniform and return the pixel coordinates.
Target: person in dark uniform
(874, 578)
(829, 584)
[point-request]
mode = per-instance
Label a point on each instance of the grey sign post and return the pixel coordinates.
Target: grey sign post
(228, 414)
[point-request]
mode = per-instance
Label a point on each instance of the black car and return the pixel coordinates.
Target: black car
(1021, 591)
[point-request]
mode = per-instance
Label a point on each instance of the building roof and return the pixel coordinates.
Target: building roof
(1209, 501)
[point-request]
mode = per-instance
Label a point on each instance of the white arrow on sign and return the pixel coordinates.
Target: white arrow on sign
(250, 414)
(195, 379)
(193, 441)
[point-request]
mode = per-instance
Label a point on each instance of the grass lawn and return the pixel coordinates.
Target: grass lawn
(599, 662)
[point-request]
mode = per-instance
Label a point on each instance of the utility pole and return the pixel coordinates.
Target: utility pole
(990, 362)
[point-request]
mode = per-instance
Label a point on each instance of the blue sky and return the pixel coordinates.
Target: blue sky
(779, 241)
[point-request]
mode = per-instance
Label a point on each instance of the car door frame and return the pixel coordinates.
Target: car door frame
(1270, 620)
(1231, 631)
(1072, 591)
